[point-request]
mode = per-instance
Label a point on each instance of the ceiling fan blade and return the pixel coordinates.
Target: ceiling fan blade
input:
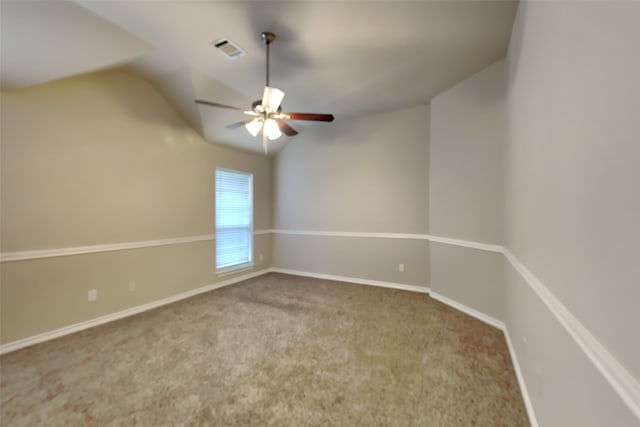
(239, 124)
(272, 98)
(314, 117)
(286, 129)
(215, 104)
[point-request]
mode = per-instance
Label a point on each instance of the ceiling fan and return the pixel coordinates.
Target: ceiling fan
(266, 114)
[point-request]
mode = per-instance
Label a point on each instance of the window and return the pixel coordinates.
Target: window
(234, 220)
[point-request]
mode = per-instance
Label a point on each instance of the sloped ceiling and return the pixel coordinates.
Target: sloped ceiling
(349, 58)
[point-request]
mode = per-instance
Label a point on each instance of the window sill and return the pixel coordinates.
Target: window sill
(226, 271)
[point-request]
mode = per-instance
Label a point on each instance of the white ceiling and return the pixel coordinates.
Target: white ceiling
(349, 58)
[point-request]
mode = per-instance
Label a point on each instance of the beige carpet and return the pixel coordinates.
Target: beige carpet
(277, 350)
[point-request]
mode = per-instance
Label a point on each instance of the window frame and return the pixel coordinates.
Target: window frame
(248, 263)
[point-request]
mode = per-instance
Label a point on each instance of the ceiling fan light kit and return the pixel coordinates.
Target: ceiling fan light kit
(267, 112)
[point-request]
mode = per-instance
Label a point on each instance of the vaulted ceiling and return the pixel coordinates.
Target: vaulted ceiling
(349, 58)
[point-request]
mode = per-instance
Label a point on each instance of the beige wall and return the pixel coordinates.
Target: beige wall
(466, 182)
(365, 258)
(104, 159)
(560, 163)
(466, 188)
(572, 195)
(574, 161)
(366, 174)
(472, 277)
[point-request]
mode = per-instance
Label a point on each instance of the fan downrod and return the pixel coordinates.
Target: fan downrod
(267, 38)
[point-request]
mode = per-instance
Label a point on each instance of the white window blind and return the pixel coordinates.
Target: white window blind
(234, 219)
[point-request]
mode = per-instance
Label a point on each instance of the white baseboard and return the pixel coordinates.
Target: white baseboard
(468, 310)
(523, 386)
(451, 303)
(67, 330)
(356, 280)
(503, 327)
(56, 333)
(60, 332)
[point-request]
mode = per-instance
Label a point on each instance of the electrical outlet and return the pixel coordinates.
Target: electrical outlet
(92, 295)
(401, 268)
(260, 258)
(132, 286)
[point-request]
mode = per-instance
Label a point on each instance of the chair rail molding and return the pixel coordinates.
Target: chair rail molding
(91, 249)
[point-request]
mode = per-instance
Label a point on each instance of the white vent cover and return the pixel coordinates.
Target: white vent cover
(228, 48)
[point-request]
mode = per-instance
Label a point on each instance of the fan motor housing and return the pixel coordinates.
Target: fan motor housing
(267, 37)
(256, 107)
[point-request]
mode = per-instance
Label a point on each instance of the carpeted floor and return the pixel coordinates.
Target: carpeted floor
(277, 350)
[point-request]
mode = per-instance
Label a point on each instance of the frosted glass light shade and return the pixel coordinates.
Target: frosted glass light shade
(272, 98)
(254, 126)
(272, 129)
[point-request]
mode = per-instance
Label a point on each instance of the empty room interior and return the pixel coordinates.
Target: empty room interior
(367, 213)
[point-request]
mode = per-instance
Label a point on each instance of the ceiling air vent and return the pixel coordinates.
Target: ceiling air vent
(228, 48)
